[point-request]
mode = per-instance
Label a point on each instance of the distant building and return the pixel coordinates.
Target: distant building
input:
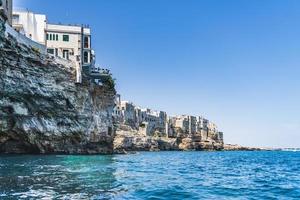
(146, 121)
(187, 123)
(128, 113)
(192, 124)
(117, 110)
(182, 122)
(6, 10)
(70, 42)
(202, 127)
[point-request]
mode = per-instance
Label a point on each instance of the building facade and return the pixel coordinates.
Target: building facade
(70, 42)
(157, 123)
(31, 25)
(146, 121)
(6, 10)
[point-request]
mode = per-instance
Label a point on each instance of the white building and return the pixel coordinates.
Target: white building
(70, 42)
(31, 25)
(182, 122)
(6, 10)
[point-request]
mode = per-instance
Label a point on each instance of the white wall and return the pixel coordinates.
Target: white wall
(24, 40)
(34, 25)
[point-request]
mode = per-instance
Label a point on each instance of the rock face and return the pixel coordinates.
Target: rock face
(195, 142)
(128, 139)
(235, 147)
(133, 141)
(42, 110)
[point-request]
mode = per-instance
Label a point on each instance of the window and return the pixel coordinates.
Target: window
(56, 37)
(50, 36)
(85, 57)
(50, 51)
(86, 42)
(15, 19)
(47, 36)
(66, 38)
(66, 54)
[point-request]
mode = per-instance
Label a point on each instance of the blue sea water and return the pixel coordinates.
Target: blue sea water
(153, 175)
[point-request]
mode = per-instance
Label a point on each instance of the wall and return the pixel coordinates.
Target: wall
(22, 39)
(32, 25)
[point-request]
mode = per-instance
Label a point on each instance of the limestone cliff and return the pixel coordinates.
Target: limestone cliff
(132, 140)
(42, 110)
(129, 139)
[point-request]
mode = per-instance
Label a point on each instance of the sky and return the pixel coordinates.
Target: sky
(235, 62)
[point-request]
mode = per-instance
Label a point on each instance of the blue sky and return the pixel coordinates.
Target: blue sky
(236, 62)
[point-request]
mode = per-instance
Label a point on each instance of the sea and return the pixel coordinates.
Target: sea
(153, 175)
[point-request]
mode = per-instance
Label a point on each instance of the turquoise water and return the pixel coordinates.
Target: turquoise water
(153, 175)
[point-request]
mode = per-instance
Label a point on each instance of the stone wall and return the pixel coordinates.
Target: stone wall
(42, 110)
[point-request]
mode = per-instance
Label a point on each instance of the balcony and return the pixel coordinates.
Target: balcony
(99, 73)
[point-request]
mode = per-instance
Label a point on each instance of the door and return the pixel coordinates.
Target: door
(66, 54)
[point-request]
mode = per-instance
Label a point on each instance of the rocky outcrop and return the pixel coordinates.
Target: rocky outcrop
(236, 147)
(195, 143)
(131, 140)
(128, 139)
(42, 110)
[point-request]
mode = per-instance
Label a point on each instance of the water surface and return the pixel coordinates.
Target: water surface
(153, 175)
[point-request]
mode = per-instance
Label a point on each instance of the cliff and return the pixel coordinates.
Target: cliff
(42, 110)
(129, 139)
(236, 147)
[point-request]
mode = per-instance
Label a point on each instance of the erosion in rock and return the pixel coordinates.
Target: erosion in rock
(42, 110)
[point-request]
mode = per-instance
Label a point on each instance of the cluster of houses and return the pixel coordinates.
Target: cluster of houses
(158, 123)
(69, 42)
(73, 43)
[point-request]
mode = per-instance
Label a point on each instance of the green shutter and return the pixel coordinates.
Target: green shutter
(66, 38)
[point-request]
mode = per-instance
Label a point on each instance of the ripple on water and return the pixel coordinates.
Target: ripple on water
(153, 175)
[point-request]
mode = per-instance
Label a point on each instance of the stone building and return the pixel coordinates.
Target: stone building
(148, 122)
(185, 123)
(192, 125)
(182, 123)
(202, 127)
(6, 10)
(154, 120)
(157, 123)
(128, 115)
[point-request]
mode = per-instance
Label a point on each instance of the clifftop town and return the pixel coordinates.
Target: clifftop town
(43, 109)
(156, 130)
(53, 98)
